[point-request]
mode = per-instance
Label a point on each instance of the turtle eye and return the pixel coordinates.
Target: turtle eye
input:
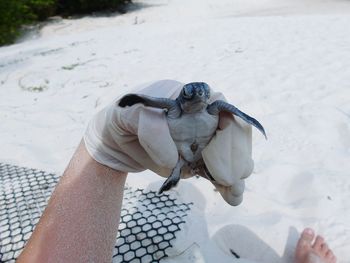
(187, 92)
(207, 91)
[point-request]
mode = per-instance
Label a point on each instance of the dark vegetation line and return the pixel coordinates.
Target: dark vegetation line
(16, 13)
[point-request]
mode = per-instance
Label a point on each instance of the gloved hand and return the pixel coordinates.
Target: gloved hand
(137, 138)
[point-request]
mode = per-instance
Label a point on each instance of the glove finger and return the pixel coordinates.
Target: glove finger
(133, 128)
(233, 195)
(154, 136)
(228, 155)
(216, 96)
(102, 143)
(154, 145)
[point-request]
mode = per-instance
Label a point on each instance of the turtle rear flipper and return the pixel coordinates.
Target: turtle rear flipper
(220, 105)
(174, 178)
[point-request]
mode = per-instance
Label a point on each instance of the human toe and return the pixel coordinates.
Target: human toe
(306, 238)
(330, 257)
(318, 243)
(324, 249)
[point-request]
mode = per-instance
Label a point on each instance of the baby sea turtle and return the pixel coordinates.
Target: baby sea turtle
(192, 122)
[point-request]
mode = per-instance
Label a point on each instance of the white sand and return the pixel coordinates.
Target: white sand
(285, 62)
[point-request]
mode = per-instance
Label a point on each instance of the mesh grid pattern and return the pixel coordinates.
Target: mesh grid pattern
(23, 196)
(148, 225)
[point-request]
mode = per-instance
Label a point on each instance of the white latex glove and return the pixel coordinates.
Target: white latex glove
(137, 138)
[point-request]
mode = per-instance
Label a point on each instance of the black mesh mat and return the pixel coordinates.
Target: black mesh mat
(148, 226)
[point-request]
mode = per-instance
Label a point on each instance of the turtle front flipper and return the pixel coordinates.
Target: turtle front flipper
(131, 99)
(172, 107)
(174, 178)
(221, 105)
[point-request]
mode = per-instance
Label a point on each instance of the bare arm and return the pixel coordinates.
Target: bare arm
(81, 219)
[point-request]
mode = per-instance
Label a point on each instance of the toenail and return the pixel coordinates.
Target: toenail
(308, 231)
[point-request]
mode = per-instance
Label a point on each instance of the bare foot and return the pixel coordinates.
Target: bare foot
(309, 251)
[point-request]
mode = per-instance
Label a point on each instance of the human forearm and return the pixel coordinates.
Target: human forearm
(81, 220)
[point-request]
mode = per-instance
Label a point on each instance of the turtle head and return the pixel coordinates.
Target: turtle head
(194, 96)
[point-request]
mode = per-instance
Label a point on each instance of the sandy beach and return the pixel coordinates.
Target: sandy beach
(287, 63)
